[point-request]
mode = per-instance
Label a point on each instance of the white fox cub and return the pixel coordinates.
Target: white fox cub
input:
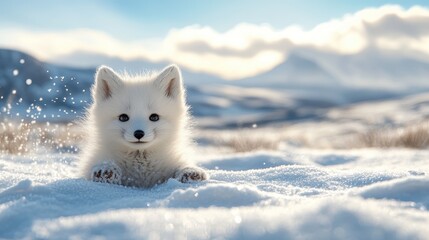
(137, 130)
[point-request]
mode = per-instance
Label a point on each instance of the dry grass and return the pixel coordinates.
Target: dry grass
(23, 138)
(248, 141)
(416, 136)
(14, 138)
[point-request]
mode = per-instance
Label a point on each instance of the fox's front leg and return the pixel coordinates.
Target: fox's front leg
(107, 172)
(189, 174)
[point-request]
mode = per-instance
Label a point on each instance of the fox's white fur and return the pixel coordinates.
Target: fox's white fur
(114, 153)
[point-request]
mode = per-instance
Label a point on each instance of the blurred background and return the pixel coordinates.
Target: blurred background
(339, 74)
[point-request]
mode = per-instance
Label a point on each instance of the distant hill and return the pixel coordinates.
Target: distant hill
(303, 87)
(37, 90)
(343, 79)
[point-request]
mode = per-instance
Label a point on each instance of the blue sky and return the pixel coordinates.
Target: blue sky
(229, 38)
(137, 19)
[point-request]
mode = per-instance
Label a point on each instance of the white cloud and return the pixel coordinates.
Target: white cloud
(234, 54)
(49, 45)
(246, 49)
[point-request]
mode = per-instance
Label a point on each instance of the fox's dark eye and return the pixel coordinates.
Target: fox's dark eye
(154, 117)
(123, 117)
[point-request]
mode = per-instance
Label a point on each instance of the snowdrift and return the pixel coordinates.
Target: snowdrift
(286, 194)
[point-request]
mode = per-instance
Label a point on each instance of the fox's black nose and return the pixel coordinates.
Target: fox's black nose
(138, 134)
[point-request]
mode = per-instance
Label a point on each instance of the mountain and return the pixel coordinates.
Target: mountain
(372, 74)
(305, 86)
(33, 89)
(296, 72)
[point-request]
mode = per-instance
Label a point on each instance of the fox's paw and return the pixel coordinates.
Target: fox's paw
(107, 173)
(190, 174)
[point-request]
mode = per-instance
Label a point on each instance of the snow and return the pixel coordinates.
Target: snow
(294, 193)
(303, 188)
(414, 190)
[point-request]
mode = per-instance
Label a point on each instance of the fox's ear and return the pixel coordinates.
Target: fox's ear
(170, 81)
(107, 82)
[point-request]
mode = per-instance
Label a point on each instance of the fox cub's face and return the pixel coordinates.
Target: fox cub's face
(138, 112)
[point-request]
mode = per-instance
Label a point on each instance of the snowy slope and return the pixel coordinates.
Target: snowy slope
(290, 193)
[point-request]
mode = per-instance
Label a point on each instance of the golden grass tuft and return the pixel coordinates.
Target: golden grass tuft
(14, 138)
(23, 138)
(416, 136)
(248, 141)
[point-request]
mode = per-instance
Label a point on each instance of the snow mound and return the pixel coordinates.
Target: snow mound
(415, 190)
(222, 195)
(22, 187)
(321, 219)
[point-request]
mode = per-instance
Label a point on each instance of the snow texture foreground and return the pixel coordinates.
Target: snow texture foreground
(287, 194)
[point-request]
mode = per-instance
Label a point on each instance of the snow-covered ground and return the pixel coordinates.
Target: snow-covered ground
(302, 188)
(314, 179)
(290, 193)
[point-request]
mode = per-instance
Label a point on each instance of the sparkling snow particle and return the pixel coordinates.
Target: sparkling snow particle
(28, 81)
(13, 91)
(15, 72)
(22, 61)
